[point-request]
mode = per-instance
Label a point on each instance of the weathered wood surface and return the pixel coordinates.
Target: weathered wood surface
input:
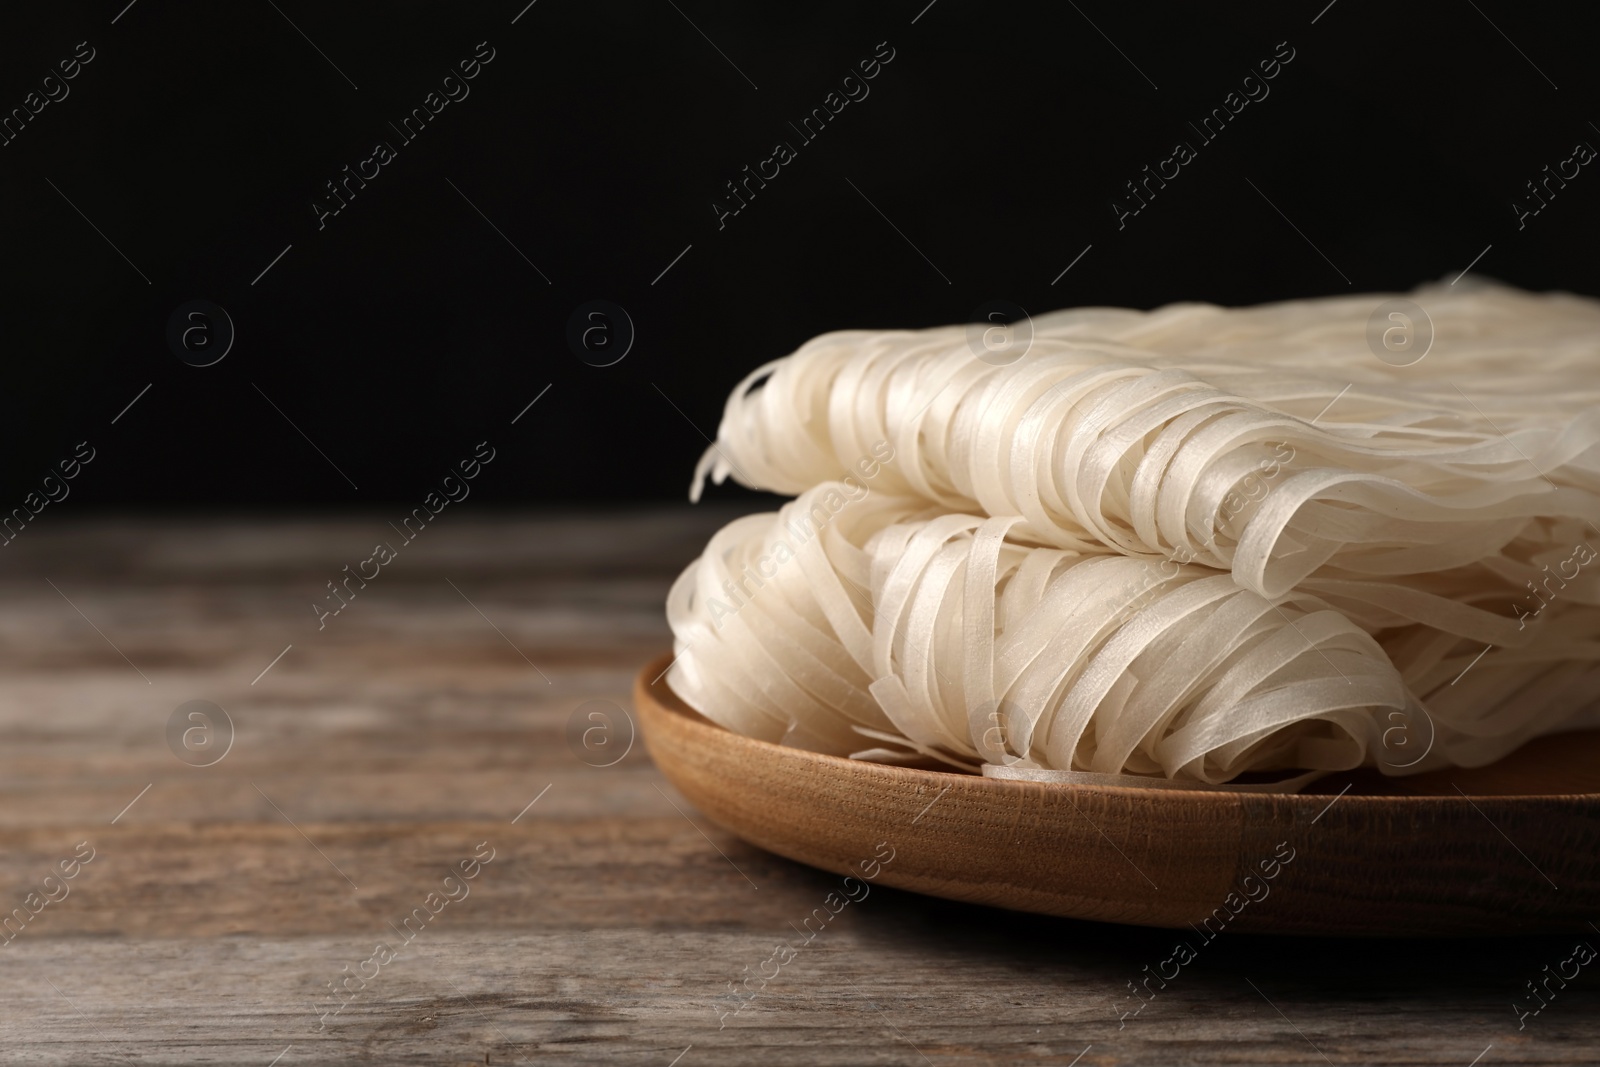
(608, 925)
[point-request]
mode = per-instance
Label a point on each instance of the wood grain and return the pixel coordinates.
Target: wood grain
(1205, 861)
(614, 914)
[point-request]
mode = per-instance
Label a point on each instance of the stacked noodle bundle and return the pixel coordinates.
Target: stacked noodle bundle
(1182, 544)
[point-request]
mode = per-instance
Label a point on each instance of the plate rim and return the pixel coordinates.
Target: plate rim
(675, 705)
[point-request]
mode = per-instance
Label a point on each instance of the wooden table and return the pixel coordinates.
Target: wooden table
(413, 731)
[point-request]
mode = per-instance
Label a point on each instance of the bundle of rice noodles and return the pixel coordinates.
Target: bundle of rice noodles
(1173, 546)
(1269, 442)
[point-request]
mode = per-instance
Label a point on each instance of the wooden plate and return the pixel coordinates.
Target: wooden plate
(1509, 848)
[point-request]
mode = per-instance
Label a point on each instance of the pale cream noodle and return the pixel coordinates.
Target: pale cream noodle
(1149, 433)
(859, 624)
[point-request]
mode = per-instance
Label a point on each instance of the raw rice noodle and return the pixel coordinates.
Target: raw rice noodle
(863, 625)
(1169, 547)
(1269, 442)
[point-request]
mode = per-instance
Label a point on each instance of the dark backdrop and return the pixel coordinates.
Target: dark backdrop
(585, 164)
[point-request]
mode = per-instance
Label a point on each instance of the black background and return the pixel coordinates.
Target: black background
(407, 330)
